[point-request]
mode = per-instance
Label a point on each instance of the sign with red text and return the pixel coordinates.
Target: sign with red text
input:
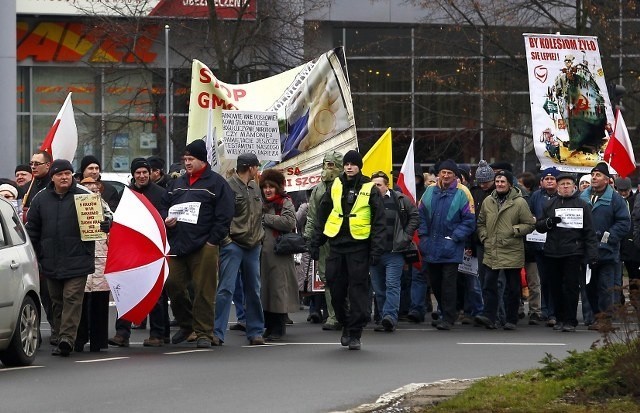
(225, 9)
(570, 108)
(312, 103)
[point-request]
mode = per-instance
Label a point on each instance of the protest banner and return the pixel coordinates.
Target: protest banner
(570, 108)
(89, 211)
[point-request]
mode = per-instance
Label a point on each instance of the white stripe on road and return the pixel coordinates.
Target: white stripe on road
(100, 360)
(513, 344)
(19, 368)
(188, 351)
(290, 344)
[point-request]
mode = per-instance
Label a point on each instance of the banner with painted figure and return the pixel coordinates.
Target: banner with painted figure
(570, 108)
(313, 107)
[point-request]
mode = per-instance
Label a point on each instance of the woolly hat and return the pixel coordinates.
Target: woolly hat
(273, 177)
(352, 157)
(464, 170)
(449, 165)
(501, 165)
(197, 149)
(156, 162)
(9, 188)
(623, 184)
(247, 159)
(139, 163)
(24, 168)
(585, 178)
(60, 165)
(603, 168)
(566, 175)
(484, 173)
(86, 161)
(551, 171)
(507, 174)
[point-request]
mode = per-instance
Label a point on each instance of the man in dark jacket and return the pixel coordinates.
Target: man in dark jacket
(40, 165)
(611, 221)
(571, 243)
(141, 183)
(200, 211)
(351, 217)
(629, 254)
(90, 167)
(401, 220)
(65, 259)
(158, 176)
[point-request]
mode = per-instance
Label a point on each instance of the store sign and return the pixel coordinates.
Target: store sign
(225, 9)
(73, 42)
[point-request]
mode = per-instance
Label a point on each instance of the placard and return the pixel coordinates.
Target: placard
(185, 212)
(469, 265)
(317, 285)
(571, 217)
(535, 236)
(89, 211)
(251, 132)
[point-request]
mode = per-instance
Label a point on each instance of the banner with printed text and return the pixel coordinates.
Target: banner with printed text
(570, 108)
(312, 103)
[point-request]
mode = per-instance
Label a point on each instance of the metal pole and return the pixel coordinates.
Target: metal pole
(481, 80)
(166, 94)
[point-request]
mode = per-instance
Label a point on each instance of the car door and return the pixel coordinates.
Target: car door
(12, 265)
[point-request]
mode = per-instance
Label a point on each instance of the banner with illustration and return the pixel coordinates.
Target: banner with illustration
(313, 106)
(570, 108)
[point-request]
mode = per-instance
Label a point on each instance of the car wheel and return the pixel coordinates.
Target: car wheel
(24, 343)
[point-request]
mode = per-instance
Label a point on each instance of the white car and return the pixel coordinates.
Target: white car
(19, 291)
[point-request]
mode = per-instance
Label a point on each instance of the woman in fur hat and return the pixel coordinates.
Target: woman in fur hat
(279, 291)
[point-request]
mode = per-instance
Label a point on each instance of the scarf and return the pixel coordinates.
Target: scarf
(276, 202)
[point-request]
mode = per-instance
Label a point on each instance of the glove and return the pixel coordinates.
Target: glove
(593, 264)
(374, 260)
(553, 221)
(105, 226)
(556, 220)
(314, 253)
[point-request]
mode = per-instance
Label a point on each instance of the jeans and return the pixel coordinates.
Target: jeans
(419, 288)
(238, 300)
(385, 278)
(492, 295)
(473, 303)
(234, 258)
(600, 288)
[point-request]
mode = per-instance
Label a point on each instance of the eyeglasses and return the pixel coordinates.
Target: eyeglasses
(34, 163)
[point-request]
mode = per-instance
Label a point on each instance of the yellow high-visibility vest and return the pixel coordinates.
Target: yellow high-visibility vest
(359, 218)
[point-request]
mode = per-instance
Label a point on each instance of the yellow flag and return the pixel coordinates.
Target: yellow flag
(379, 156)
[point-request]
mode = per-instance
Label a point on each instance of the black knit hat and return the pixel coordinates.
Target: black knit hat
(603, 168)
(197, 149)
(156, 162)
(449, 165)
(566, 175)
(507, 174)
(139, 163)
(23, 168)
(60, 165)
(88, 160)
(501, 165)
(352, 157)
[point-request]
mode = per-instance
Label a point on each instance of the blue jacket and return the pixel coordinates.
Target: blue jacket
(447, 218)
(538, 200)
(610, 213)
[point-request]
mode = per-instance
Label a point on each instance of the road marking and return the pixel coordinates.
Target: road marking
(513, 344)
(199, 350)
(20, 368)
(290, 344)
(100, 360)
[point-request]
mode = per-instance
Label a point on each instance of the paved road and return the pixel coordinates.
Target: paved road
(309, 372)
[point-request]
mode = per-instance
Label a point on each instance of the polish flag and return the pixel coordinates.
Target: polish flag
(619, 152)
(407, 184)
(62, 140)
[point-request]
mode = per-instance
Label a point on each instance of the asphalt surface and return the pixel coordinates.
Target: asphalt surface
(307, 372)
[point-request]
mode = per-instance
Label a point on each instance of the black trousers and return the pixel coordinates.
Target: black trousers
(348, 280)
(157, 320)
(565, 286)
(94, 321)
(443, 279)
(491, 297)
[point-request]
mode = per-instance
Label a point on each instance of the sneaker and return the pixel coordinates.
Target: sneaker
(551, 322)
(509, 326)
(345, 339)
(65, 348)
(483, 320)
(534, 319)
(466, 320)
(153, 342)
(569, 329)
(558, 327)
(203, 342)
(388, 324)
(444, 325)
(256, 341)
(414, 317)
(238, 327)
(332, 326)
(354, 344)
(119, 341)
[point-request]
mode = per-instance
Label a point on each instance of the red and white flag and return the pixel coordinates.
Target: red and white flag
(619, 152)
(407, 184)
(62, 140)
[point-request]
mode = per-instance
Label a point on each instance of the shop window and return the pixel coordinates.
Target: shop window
(52, 84)
(379, 41)
(380, 75)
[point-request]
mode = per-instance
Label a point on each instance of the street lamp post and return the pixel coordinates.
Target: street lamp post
(167, 94)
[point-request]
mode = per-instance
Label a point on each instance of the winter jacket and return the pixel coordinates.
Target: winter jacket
(246, 226)
(537, 201)
(343, 240)
(628, 250)
(279, 285)
(157, 195)
(502, 228)
(610, 214)
(406, 224)
(52, 225)
(447, 219)
(215, 200)
(566, 242)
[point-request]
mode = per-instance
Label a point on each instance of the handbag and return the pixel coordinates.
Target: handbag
(290, 243)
